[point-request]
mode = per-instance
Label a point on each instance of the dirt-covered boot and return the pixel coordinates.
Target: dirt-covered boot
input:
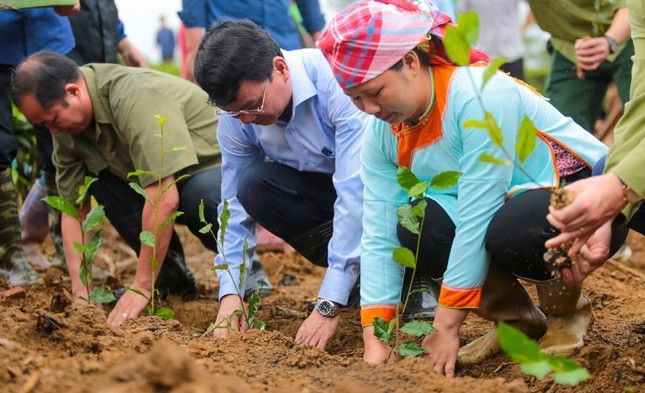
(14, 266)
(33, 224)
(503, 299)
(568, 317)
(54, 219)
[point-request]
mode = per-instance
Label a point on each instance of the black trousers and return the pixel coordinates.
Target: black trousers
(123, 206)
(290, 203)
(515, 237)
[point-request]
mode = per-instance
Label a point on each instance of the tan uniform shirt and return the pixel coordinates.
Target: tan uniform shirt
(125, 133)
(568, 20)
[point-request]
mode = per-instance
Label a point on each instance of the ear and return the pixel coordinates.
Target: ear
(280, 65)
(72, 89)
(411, 60)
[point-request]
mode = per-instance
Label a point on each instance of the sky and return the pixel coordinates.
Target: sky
(141, 20)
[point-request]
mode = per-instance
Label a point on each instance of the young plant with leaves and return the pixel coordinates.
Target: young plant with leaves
(152, 238)
(411, 218)
(91, 236)
(253, 304)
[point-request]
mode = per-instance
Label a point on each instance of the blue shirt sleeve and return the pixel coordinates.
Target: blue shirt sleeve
(312, 17)
(344, 246)
(238, 152)
(194, 13)
(122, 34)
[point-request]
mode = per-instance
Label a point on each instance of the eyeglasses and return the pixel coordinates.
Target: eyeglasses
(254, 111)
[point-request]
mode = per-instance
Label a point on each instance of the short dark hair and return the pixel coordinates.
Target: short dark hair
(423, 58)
(44, 74)
(232, 52)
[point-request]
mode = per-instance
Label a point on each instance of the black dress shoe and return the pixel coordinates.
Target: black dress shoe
(257, 280)
(423, 299)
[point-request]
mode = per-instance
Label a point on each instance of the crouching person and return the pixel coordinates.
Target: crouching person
(285, 105)
(102, 119)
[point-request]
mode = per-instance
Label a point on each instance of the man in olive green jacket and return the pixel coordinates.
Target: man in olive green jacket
(600, 199)
(108, 121)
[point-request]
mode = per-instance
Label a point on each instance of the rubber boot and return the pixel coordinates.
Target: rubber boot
(54, 220)
(568, 317)
(503, 299)
(14, 266)
(33, 224)
(422, 304)
(174, 277)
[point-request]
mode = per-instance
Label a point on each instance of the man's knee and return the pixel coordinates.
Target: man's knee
(250, 185)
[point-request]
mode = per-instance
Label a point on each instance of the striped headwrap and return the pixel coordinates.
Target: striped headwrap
(369, 37)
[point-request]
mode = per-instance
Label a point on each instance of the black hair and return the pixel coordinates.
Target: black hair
(423, 59)
(231, 52)
(45, 75)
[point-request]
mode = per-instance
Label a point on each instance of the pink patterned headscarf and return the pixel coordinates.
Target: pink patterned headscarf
(369, 37)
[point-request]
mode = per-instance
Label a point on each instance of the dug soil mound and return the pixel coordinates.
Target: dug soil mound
(48, 343)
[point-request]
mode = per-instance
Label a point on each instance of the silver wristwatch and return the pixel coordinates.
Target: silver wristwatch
(326, 307)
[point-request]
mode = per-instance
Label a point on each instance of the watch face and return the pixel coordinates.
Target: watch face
(325, 307)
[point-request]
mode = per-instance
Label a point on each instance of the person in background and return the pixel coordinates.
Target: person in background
(24, 32)
(271, 15)
(481, 232)
(500, 32)
(613, 198)
(166, 40)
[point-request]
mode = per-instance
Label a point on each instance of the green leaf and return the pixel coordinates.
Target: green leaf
(538, 368)
(491, 69)
(202, 219)
(407, 218)
(418, 189)
(79, 247)
(419, 210)
(525, 140)
(223, 223)
(260, 325)
(164, 313)
(490, 159)
(468, 24)
(252, 307)
(140, 172)
(381, 330)
(517, 345)
(175, 181)
(102, 295)
(404, 257)
(410, 350)
(94, 218)
(418, 328)
(245, 247)
(138, 292)
(474, 123)
(445, 180)
(93, 246)
(456, 46)
(406, 178)
(572, 377)
(222, 266)
(137, 188)
(84, 188)
(493, 129)
(171, 218)
(62, 205)
(147, 238)
(205, 229)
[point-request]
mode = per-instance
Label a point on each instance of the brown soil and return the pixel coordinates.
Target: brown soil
(49, 345)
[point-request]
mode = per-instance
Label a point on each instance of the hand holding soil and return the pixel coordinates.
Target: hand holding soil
(316, 330)
(227, 307)
(376, 351)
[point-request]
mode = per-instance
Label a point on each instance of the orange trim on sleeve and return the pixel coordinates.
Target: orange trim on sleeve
(430, 129)
(370, 313)
(460, 297)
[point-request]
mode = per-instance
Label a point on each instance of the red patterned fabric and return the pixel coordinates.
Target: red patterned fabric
(369, 37)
